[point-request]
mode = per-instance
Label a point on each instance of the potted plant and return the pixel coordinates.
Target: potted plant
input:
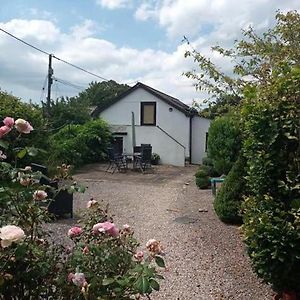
(155, 159)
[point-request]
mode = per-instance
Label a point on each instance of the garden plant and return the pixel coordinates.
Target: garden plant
(103, 262)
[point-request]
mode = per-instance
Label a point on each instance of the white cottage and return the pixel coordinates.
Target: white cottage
(174, 129)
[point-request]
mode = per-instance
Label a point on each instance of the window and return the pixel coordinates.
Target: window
(148, 113)
(206, 139)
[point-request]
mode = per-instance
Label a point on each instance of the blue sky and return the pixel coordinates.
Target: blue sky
(124, 40)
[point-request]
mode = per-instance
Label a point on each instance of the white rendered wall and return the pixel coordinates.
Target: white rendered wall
(174, 122)
(200, 127)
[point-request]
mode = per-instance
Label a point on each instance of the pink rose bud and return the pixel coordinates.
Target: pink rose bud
(154, 247)
(4, 130)
(74, 231)
(91, 203)
(86, 250)
(9, 122)
(70, 277)
(106, 227)
(39, 195)
(139, 256)
(23, 126)
(25, 181)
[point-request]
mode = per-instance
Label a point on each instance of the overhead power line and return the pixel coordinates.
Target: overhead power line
(54, 56)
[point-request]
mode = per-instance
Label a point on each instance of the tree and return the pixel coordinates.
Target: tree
(101, 93)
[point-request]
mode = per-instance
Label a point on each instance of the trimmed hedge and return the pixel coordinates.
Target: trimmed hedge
(202, 177)
(229, 198)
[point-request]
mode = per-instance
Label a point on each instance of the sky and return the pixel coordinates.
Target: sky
(123, 40)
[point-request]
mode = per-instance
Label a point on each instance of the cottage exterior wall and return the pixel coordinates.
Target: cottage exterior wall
(174, 122)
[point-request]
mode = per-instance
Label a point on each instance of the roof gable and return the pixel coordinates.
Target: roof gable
(174, 102)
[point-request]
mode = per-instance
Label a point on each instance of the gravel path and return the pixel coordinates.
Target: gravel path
(206, 259)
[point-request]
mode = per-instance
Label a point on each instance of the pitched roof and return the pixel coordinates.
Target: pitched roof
(176, 103)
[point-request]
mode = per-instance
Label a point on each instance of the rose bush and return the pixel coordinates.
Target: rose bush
(104, 261)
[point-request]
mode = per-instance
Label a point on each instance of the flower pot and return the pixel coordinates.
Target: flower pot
(289, 296)
(286, 296)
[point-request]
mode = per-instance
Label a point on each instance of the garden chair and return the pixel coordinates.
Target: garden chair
(144, 160)
(116, 161)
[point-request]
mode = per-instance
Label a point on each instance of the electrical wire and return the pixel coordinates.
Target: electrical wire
(54, 56)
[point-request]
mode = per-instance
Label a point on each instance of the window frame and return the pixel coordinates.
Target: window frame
(142, 113)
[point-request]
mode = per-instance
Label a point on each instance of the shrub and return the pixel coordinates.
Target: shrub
(155, 159)
(227, 203)
(223, 143)
(79, 144)
(273, 242)
(271, 146)
(202, 177)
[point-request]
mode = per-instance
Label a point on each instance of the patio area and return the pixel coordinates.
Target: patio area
(205, 258)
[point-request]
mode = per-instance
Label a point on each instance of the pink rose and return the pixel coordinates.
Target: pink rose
(139, 256)
(10, 234)
(40, 195)
(107, 227)
(4, 130)
(79, 279)
(74, 231)
(9, 122)
(23, 126)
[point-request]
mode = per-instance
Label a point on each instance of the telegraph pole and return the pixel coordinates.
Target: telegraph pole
(50, 81)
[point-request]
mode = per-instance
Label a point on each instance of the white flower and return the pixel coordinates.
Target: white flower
(10, 234)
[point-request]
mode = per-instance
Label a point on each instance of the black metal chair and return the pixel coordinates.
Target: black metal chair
(144, 160)
(116, 161)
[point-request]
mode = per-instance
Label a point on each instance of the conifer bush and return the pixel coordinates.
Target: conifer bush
(227, 203)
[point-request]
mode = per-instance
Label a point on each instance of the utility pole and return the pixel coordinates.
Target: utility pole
(50, 81)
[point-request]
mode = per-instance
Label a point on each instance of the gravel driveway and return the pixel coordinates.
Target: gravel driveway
(205, 258)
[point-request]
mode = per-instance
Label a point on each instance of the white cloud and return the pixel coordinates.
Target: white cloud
(226, 17)
(113, 4)
(24, 70)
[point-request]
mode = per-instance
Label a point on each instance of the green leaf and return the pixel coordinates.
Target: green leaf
(3, 144)
(160, 262)
(21, 153)
(32, 151)
(154, 284)
(143, 285)
(108, 281)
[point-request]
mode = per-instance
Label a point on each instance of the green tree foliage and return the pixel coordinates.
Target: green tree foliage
(101, 93)
(65, 111)
(79, 144)
(227, 203)
(223, 143)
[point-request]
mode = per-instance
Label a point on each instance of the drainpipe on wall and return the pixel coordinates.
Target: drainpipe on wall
(190, 136)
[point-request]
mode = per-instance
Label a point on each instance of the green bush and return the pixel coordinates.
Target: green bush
(227, 203)
(223, 143)
(202, 177)
(80, 144)
(271, 147)
(273, 242)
